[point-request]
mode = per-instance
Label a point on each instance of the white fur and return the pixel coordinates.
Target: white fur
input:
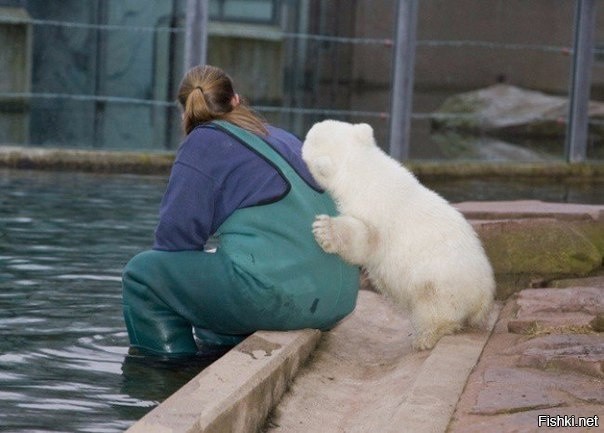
(417, 249)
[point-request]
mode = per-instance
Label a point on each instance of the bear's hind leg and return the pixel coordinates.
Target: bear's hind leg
(479, 318)
(432, 319)
(426, 338)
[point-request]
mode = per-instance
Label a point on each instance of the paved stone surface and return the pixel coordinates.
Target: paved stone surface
(546, 310)
(553, 367)
(366, 357)
(364, 377)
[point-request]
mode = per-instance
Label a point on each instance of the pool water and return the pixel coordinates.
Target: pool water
(576, 191)
(64, 239)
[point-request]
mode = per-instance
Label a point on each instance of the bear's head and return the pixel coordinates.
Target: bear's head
(331, 144)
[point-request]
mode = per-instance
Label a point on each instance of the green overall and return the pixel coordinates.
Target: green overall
(268, 273)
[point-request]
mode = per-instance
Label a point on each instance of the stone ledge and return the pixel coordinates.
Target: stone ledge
(440, 383)
(238, 391)
(531, 242)
(159, 162)
(95, 161)
(523, 209)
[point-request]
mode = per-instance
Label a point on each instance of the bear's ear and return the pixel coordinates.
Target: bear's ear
(364, 133)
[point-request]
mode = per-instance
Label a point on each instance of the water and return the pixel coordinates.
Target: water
(64, 239)
(517, 189)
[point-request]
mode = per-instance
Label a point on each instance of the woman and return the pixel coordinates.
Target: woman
(243, 181)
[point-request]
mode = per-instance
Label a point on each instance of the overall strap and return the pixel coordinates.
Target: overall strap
(262, 148)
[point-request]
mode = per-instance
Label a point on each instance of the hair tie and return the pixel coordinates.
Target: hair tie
(200, 89)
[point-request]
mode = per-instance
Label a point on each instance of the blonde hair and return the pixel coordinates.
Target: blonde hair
(206, 93)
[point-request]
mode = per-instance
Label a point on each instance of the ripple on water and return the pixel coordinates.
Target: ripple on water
(97, 277)
(64, 240)
(18, 220)
(30, 267)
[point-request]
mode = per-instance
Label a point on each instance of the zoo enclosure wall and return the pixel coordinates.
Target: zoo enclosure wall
(102, 74)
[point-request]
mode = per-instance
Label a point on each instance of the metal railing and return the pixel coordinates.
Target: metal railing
(404, 61)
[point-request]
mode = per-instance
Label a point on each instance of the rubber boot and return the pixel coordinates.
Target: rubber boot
(153, 327)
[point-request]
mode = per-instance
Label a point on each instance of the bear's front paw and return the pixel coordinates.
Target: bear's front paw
(323, 231)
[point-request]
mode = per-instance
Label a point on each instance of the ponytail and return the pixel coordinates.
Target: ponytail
(206, 93)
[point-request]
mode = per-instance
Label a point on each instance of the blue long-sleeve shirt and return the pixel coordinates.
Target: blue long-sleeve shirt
(214, 175)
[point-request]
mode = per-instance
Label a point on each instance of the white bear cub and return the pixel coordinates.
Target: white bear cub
(416, 248)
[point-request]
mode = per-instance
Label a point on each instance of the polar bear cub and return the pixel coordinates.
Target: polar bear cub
(417, 249)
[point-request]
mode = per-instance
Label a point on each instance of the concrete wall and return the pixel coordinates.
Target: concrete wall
(73, 60)
(133, 63)
(444, 70)
(254, 62)
(441, 71)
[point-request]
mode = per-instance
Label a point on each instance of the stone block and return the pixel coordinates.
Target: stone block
(566, 352)
(238, 391)
(526, 252)
(546, 310)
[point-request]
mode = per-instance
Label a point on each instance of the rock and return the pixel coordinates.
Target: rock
(514, 388)
(455, 146)
(551, 301)
(534, 250)
(504, 110)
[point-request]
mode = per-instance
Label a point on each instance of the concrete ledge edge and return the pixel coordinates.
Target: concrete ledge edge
(159, 162)
(441, 381)
(238, 391)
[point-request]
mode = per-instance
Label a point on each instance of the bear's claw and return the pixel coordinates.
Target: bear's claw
(323, 232)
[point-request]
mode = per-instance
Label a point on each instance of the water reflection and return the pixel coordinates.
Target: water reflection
(551, 190)
(64, 239)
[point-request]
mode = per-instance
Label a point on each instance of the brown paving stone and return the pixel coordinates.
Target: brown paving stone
(520, 377)
(563, 310)
(567, 352)
(526, 422)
